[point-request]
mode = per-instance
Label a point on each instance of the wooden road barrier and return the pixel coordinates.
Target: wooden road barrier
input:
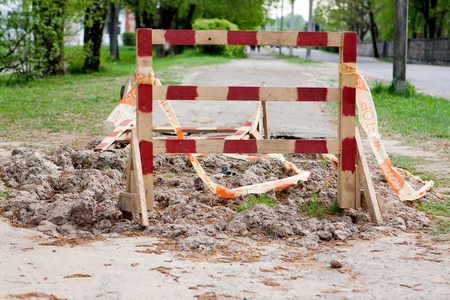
(348, 191)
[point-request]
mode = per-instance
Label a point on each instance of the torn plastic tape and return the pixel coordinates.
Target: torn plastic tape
(369, 121)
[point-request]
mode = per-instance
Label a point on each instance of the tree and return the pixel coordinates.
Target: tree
(94, 24)
(32, 37)
(180, 14)
(355, 15)
(48, 31)
(400, 45)
(113, 28)
(430, 18)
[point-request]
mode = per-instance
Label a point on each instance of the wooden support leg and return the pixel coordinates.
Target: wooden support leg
(366, 180)
(134, 200)
(265, 121)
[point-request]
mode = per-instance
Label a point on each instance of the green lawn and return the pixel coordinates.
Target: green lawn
(81, 102)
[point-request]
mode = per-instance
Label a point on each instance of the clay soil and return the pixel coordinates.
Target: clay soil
(62, 230)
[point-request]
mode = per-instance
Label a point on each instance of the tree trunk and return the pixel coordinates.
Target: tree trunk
(188, 20)
(113, 26)
(400, 45)
(291, 26)
(147, 20)
(167, 19)
(94, 24)
(374, 32)
(137, 17)
(308, 49)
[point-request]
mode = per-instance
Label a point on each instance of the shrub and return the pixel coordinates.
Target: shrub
(74, 56)
(74, 59)
(129, 38)
(218, 24)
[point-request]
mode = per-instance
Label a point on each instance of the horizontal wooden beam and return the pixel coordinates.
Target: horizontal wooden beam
(245, 93)
(198, 129)
(245, 146)
(268, 38)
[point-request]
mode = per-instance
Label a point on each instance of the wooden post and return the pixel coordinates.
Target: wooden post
(347, 84)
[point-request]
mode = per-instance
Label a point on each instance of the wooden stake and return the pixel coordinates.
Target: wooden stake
(139, 178)
(265, 117)
(366, 180)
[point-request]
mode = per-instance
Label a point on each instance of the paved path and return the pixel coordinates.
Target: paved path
(431, 79)
(405, 266)
(300, 118)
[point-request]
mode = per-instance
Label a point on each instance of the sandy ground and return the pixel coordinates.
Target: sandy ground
(397, 264)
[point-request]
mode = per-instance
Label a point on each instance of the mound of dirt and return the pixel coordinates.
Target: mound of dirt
(75, 193)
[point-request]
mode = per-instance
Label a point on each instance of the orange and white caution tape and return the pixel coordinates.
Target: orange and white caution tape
(127, 110)
(241, 191)
(369, 121)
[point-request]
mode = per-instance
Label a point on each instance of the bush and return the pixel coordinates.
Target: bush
(129, 38)
(218, 24)
(75, 57)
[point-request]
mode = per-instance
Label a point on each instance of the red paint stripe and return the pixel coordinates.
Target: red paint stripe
(312, 94)
(248, 123)
(146, 149)
(215, 137)
(349, 48)
(311, 146)
(127, 139)
(240, 146)
(126, 122)
(114, 134)
(348, 154)
(237, 93)
(144, 42)
(239, 132)
(100, 146)
(181, 146)
(312, 39)
(181, 92)
(348, 101)
(242, 38)
(145, 98)
(180, 37)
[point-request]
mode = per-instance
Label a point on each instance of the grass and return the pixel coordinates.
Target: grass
(405, 162)
(383, 59)
(252, 200)
(298, 60)
(413, 115)
(316, 209)
(439, 211)
(409, 163)
(81, 102)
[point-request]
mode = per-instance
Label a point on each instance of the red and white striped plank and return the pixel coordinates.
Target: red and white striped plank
(245, 93)
(144, 111)
(113, 136)
(347, 160)
(224, 37)
(245, 146)
(198, 129)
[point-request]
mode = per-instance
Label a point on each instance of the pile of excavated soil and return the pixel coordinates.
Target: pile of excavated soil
(75, 193)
